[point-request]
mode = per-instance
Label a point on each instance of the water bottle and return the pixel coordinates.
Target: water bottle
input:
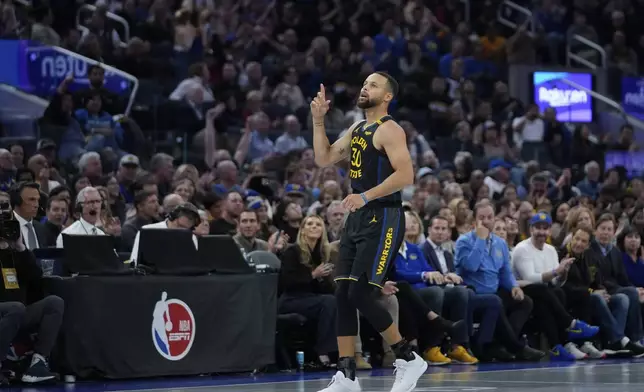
(299, 357)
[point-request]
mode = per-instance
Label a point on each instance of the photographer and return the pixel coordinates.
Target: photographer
(184, 216)
(21, 281)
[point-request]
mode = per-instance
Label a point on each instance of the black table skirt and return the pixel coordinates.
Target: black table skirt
(108, 325)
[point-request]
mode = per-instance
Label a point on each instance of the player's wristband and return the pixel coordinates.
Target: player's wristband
(364, 198)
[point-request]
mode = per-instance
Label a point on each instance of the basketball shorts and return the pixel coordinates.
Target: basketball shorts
(370, 242)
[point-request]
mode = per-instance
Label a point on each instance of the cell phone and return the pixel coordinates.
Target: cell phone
(277, 237)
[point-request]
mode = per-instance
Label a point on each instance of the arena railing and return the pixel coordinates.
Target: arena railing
(107, 68)
(110, 15)
(508, 5)
(634, 121)
(579, 59)
(466, 5)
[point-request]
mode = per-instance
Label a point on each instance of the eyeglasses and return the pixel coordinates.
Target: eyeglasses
(93, 201)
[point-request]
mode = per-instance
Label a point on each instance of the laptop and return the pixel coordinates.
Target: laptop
(223, 253)
(92, 255)
(169, 252)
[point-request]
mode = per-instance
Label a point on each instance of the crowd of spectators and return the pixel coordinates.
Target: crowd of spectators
(565, 251)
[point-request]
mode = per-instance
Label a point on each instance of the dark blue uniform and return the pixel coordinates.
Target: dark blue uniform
(373, 234)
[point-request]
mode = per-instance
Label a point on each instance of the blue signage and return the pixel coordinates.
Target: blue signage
(39, 70)
(633, 96)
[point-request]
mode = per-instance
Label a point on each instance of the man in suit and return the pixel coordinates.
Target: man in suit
(25, 200)
(485, 307)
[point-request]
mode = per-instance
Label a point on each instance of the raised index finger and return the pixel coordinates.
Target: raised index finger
(322, 90)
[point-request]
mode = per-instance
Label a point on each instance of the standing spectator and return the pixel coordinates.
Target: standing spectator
(529, 132)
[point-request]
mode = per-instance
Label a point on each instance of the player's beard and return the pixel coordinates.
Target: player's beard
(367, 104)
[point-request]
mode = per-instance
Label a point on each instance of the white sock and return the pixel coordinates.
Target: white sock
(624, 341)
(572, 325)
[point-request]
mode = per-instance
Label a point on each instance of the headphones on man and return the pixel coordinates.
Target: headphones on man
(78, 206)
(15, 192)
(185, 209)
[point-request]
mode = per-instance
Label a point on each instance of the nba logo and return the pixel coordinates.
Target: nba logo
(173, 328)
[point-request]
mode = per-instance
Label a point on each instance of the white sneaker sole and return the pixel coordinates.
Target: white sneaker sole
(34, 379)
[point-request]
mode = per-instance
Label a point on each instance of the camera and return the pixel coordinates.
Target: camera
(9, 227)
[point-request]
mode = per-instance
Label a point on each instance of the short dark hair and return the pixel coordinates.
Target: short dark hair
(603, 218)
(51, 201)
(141, 196)
(58, 190)
(250, 211)
(393, 84)
(435, 218)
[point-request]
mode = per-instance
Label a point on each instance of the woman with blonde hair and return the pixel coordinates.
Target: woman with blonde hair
(306, 284)
(461, 210)
(414, 231)
(578, 216)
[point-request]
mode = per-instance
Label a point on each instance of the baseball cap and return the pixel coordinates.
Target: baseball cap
(44, 144)
(422, 172)
(129, 159)
(494, 163)
(294, 188)
(540, 217)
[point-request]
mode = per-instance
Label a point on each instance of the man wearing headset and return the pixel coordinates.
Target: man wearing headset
(88, 205)
(183, 216)
(25, 201)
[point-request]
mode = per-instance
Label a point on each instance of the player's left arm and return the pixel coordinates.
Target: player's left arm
(391, 138)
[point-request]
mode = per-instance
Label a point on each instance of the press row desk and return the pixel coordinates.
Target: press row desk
(108, 324)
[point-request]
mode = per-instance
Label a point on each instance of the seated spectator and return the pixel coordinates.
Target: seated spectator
(483, 262)
(247, 230)
(100, 129)
(169, 202)
(538, 270)
(584, 278)
(110, 102)
(629, 242)
(184, 216)
(198, 80)
(146, 205)
(306, 286)
(57, 216)
(483, 308)
(290, 140)
(413, 267)
(614, 277)
(204, 225)
(232, 209)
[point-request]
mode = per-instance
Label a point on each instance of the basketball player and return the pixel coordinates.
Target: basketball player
(380, 167)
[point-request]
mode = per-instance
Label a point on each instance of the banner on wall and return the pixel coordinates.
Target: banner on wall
(633, 96)
(572, 105)
(39, 70)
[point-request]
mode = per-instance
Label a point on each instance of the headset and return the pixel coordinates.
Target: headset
(15, 192)
(185, 209)
(78, 207)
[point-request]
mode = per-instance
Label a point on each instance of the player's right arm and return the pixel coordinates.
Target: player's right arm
(327, 154)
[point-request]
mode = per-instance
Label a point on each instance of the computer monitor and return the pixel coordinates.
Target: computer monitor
(92, 255)
(223, 253)
(169, 252)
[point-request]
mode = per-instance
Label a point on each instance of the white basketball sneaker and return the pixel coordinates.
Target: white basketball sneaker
(339, 383)
(407, 373)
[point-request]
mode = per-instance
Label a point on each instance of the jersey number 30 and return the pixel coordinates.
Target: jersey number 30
(356, 157)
